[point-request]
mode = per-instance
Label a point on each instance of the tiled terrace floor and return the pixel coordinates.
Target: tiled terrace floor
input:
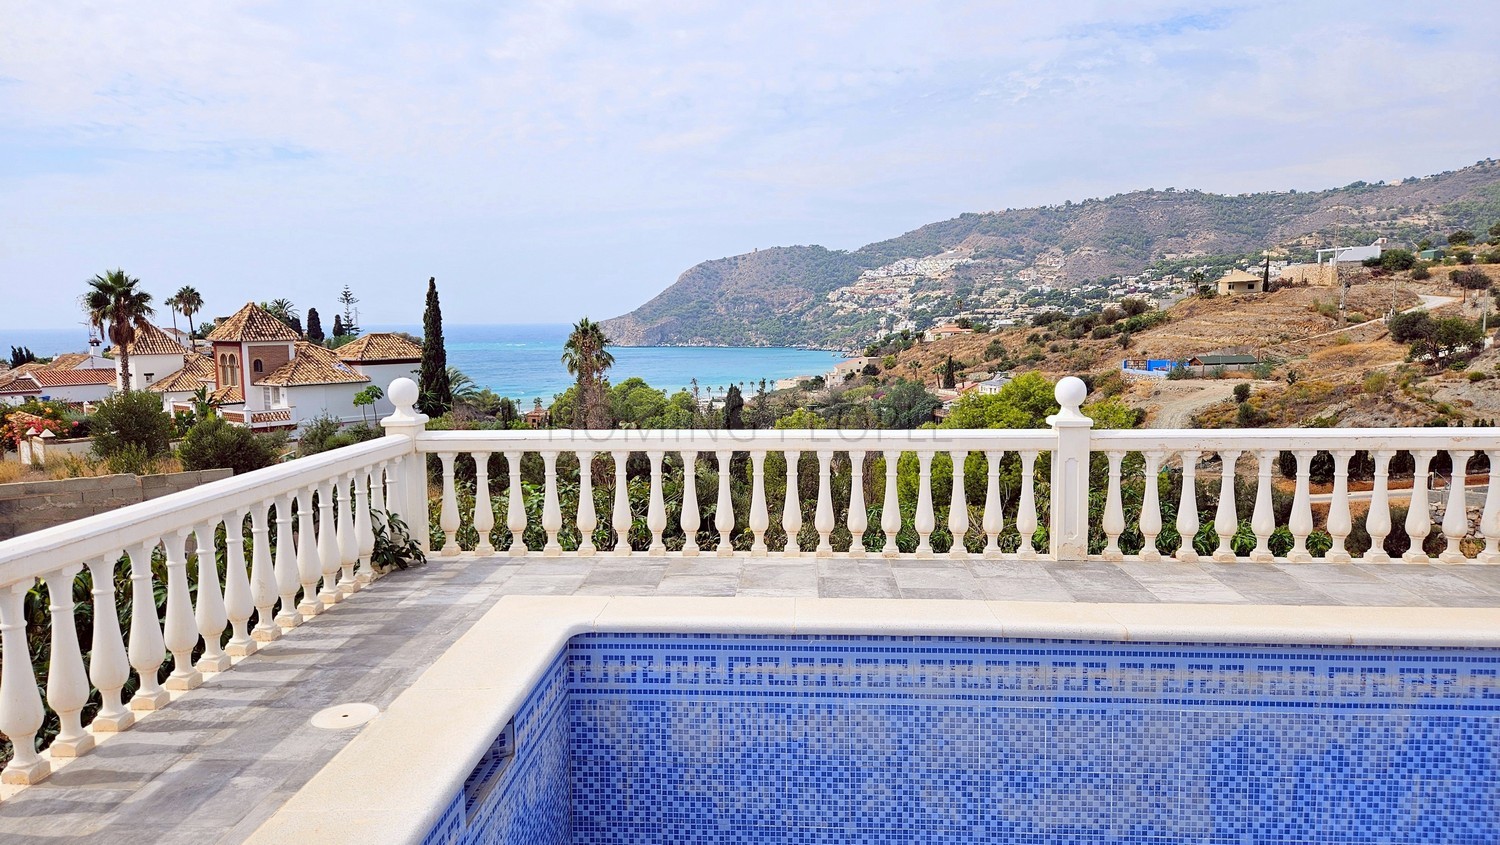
(221, 759)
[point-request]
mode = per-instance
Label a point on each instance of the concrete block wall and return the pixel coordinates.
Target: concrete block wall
(33, 505)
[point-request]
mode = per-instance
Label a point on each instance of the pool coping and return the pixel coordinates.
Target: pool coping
(393, 780)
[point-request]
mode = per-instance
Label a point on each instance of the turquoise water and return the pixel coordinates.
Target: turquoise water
(524, 361)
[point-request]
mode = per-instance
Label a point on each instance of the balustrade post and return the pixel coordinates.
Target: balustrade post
(211, 615)
(309, 571)
(1456, 515)
(67, 681)
(823, 516)
(1340, 523)
(1113, 521)
(791, 511)
(147, 646)
(1489, 520)
(958, 506)
(448, 514)
(515, 510)
(238, 604)
(1378, 520)
(1301, 523)
(551, 510)
(1187, 509)
(994, 514)
(484, 509)
(109, 667)
(181, 632)
(21, 711)
(1263, 520)
(348, 541)
(724, 506)
(328, 545)
(262, 576)
(1419, 515)
(1069, 531)
(410, 476)
(1026, 521)
(923, 521)
(621, 519)
(366, 496)
(1151, 506)
(890, 510)
(656, 507)
(858, 518)
(288, 574)
(585, 518)
(760, 517)
(1226, 520)
(690, 518)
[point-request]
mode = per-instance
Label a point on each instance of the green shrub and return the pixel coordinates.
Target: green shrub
(215, 444)
(1478, 376)
(1242, 393)
(317, 434)
(1420, 272)
(133, 420)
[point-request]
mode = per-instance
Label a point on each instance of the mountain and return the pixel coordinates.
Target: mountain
(788, 296)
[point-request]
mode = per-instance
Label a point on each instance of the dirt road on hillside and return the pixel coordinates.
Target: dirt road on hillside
(1177, 401)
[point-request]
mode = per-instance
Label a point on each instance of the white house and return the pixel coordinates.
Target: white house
(990, 387)
(382, 357)
(153, 356)
(1352, 254)
(74, 377)
(1239, 281)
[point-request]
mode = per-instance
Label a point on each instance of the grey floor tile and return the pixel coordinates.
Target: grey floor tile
(974, 593)
(843, 588)
(698, 585)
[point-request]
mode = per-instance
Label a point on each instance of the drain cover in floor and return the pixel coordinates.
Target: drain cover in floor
(341, 716)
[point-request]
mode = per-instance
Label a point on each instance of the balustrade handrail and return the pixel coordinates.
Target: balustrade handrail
(1290, 439)
(709, 440)
(37, 553)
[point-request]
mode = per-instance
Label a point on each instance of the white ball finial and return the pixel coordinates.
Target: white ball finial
(1070, 393)
(403, 394)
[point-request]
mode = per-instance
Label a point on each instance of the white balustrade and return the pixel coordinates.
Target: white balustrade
(1340, 523)
(858, 518)
(1263, 520)
(724, 505)
(1114, 511)
(586, 519)
(656, 508)
(347, 541)
(21, 712)
(924, 521)
(890, 513)
(1456, 516)
(309, 568)
(67, 682)
(551, 510)
(1226, 522)
(238, 601)
(1378, 519)
(262, 576)
(210, 613)
(823, 517)
(690, 518)
(1419, 515)
(621, 519)
(515, 512)
(791, 512)
(109, 666)
(287, 574)
(1150, 523)
(958, 505)
(994, 510)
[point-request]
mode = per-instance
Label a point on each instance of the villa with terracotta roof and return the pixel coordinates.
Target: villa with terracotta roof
(74, 377)
(154, 354)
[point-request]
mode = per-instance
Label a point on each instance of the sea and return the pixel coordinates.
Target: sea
(524, 361)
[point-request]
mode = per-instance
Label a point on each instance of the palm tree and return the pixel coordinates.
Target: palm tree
(189, 302)
(586, 357)
(283, 310)
(464, 389)
(172, 303)
(117, 307)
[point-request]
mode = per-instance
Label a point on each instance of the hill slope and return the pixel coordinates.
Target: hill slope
(781, 296)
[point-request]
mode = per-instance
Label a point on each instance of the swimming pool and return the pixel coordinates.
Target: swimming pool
(632, 738)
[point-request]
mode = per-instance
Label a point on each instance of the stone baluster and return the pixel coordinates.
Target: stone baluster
(690, 519)
(791, 511)
(1300, 523)
(21, 711)
(724, 506)
(1151, 505)
(1419, 515)
(924, 521)
(238, 602)
(448, 514)
(1340, 523)
(309, 569)
(1489, 520)
(823, 516)
(858, 518)
(586, 519)
(552, 520)
(288, 574)
(1263, 520)
(515, 506)
(348, 541)
(109, 668)
(993, 522)
(1187, 509)
(1114, 512)
(1378, 520)
(621, 519)
(328, 545)
(211, 615)
(181, 631)
(67, 681)
(958, 506)
(656, 507)
(1226, 521)
(1026, 509)
(147, 646)
(890, 510)
(483, 509)
(364, 524)
(760, 515)
(262, 576)
(1456, 516)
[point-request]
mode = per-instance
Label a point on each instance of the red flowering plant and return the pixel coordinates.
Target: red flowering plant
(34, 417)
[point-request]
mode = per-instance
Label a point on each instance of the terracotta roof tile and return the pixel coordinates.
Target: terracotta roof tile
(68, 361)
(379, 346)
(9, 376)
(252, 323)
(197, 370)
(153, 341)
(232, 395)
(312, 364)
(72, 378)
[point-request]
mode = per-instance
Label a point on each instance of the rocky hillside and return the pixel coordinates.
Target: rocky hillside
(780, 296)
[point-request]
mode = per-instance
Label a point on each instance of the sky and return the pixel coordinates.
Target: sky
(551, 160)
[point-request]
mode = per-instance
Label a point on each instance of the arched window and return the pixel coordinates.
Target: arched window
(224, 375)
(256, 365)
(234, 369)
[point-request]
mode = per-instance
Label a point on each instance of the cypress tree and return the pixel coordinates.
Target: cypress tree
(734, 407)
(436, 394)
(338, 326)
(315, 326)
